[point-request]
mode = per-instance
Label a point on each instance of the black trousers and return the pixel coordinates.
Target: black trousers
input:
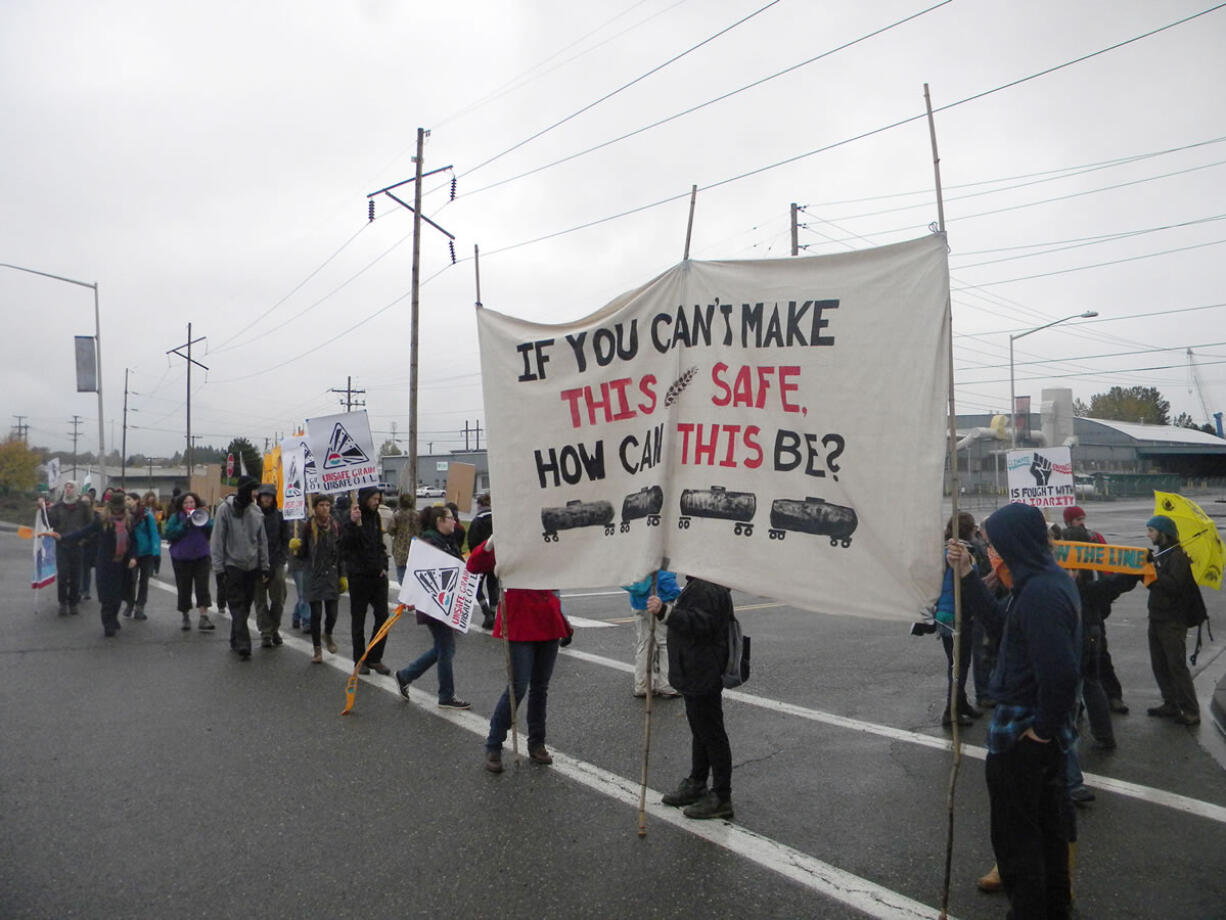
(1030, 828)
(1106, 671)
(68, 574)
(367, 591)
(240, 593)
(710, 752)
(325, 611)
(189, 574)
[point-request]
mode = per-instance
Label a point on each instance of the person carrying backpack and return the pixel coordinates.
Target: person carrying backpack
(1175, 605)
(698, 627)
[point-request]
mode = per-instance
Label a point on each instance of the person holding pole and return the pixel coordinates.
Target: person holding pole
(1035, 688)
(366, 565)
(270, 594)
(697, 654)
(668, 591)
(531, 623)
(437, 527)
(240, 551)
(323, 573)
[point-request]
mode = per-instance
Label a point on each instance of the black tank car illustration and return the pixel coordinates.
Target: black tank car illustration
(647, 503)
(717, 502)
(815, 516)
(576, 514)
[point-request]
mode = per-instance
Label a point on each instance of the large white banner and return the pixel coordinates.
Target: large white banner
(438, 585)
(1042, 477)
(774, 426)
(343, 451)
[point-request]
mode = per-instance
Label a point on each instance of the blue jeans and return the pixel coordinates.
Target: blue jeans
(531, 667)
(442, 652)
(302, 610)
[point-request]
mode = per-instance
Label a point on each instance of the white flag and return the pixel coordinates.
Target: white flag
(438, 585)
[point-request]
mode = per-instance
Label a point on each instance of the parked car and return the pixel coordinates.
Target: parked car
(1083, 485)
(429, 492)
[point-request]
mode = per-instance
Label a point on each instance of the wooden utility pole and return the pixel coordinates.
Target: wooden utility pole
(76, 424)
(795, 229)
(349, 402)
(123, 450)
(418, 217)
(190, 361)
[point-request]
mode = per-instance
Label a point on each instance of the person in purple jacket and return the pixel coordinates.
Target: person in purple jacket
(190, 556)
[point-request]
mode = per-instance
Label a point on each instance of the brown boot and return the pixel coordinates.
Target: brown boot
(991, 881)
(318, 657)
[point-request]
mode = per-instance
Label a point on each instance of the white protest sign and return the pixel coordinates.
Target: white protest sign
(310, 473)
(775, 426)
(53, 473)
(293, 484)
(1042, 477)
(344, 451)
(438, 585)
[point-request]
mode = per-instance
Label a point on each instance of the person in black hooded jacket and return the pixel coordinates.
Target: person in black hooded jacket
(366, 565)
(697, 653)
(1035, 688)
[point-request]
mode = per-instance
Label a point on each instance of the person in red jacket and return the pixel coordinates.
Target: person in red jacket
(535, 624)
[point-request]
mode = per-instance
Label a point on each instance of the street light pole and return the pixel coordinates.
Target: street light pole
(97, 350)
(1088, 314)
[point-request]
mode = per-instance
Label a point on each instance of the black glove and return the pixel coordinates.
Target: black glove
(265, 576)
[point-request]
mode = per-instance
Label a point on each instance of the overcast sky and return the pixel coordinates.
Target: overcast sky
(209, 163)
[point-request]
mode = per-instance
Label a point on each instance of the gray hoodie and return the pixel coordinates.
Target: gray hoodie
(239, 538)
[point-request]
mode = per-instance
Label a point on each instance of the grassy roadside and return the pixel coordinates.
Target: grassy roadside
(18, 507)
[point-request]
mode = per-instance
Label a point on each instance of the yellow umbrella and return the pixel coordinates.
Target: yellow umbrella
(1197, 534)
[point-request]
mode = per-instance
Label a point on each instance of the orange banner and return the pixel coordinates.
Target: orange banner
(1103, 557)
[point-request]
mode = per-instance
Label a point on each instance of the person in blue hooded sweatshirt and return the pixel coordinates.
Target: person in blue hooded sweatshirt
(1035, 686)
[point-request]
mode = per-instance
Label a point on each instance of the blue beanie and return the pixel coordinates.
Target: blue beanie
(1164, 524)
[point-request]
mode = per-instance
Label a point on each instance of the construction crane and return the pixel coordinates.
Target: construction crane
(1194, 375)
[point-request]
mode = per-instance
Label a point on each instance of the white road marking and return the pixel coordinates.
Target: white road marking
(1137, 791)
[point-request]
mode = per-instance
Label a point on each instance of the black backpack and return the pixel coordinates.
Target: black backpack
(1194, 616)
(736, 670)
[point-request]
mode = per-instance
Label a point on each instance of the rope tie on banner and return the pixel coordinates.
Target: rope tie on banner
(351, 685)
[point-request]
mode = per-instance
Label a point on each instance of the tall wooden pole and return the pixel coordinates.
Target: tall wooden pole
(689, 227)
(123, 451)
(413, 311)
(953, 489)
(795, 231)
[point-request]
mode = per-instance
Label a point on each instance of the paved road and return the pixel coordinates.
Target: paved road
(154, 775)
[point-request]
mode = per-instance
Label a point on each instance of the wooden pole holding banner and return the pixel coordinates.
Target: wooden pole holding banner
(953, 490)
(506, 645)
(651, 654)
(477, 272)
(689, 227)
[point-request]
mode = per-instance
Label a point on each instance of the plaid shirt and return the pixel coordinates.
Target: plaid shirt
(1010, 722)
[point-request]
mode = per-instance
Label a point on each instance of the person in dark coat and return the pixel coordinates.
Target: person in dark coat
(270, 594)
(1035, 688)
(480, 528)
(323, 572)
(89, 546)
(116, 556)
(366, 567)
(437, 524)
(1170, 596)
(66, 516)
(697, 653)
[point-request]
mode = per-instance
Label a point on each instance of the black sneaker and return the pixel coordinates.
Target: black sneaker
(1165, 711)
(363, 669)
(276, 639)
(403, 685)
(244, 653)
(710, 806)
(688, 792)
(1187, 718)
(1118, 705)
(265, 641)
(453, 703)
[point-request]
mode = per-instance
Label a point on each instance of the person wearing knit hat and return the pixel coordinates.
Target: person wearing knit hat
(1078, 531)
(115, 557)
(1170, 594)
(239, 548)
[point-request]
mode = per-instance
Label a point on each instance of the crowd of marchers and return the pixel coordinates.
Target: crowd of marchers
(245, 551)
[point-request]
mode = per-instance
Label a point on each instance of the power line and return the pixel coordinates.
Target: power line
(866, 134)
(703, 105)
(623, 87)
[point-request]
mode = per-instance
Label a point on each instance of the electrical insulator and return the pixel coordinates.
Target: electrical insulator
(453, 188)
(371, 213)
(451, 246)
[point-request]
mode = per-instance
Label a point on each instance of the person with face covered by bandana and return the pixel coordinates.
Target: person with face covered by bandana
(1035, 687)
(240, 552)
